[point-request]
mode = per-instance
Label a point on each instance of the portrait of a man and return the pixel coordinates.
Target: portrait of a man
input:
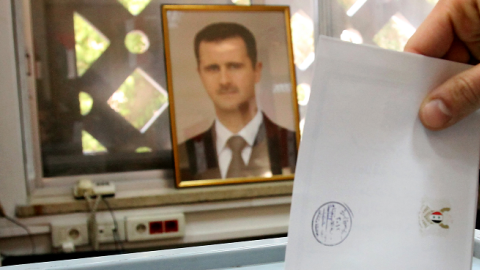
(241, 141)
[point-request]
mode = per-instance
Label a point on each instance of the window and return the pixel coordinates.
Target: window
(384, 23)
(101, 96)
(100, 86)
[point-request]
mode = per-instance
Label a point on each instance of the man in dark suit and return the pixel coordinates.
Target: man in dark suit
(243, 141)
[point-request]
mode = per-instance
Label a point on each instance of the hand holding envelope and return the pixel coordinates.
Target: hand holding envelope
(374, 189)
(450, 32)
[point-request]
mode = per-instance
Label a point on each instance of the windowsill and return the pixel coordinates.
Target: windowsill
(126, 199)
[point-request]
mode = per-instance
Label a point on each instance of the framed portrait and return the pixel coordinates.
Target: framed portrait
(231, 85)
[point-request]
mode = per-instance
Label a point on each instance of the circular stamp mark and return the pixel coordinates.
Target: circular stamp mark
(332, 223)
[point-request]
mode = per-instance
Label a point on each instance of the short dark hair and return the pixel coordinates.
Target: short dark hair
(223, 30)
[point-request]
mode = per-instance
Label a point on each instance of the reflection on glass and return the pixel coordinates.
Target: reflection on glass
(140, 100)
(90, 145)
(143, 149)
(86, 103)
(242, 2)
(135, 6)
(303, 94)
(351, 35)
(89, 43)
(351, 6)
(355, 7)
(302, 37)
(346, 4)
(395, 34)
(137, 42)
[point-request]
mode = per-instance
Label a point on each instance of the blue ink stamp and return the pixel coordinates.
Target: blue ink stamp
(332, 223)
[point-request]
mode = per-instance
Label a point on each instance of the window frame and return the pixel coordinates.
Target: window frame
(39, 186)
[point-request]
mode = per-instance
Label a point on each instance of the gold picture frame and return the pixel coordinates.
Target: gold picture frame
(230, 71)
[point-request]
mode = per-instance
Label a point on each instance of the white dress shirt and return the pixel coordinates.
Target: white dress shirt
(248, 133)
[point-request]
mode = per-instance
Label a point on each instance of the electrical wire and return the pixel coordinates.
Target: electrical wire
(116, 238)
(26, 229)
(92, 221)
(116, 235)
(93, 208)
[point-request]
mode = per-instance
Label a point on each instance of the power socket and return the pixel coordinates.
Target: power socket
(75, 232)
(140, 228)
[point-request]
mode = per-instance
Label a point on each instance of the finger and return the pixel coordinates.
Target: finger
(458, 52)
(465, 18)
(452, 101)
(435, 35)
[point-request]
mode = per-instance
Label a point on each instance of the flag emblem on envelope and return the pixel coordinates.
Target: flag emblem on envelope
(429, 217)
(436, 217)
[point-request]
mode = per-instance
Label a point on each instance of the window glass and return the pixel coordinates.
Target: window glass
(100, 73)
(384, 23)
(101, 89)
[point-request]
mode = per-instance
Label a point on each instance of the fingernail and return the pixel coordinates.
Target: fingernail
(435, 114)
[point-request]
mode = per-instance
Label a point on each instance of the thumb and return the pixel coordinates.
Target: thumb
(452, 101)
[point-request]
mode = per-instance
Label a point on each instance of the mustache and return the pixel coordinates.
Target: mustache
(225, 89)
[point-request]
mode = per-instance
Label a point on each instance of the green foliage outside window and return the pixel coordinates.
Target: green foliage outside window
(347, 4)
(86, 103)
(89, 43)
(391, 37)
(300, 94)
(137, 42)
(137, 100)
(134, 6)
(303, 94)
(90, 145)
(242, 2)
(143, 149)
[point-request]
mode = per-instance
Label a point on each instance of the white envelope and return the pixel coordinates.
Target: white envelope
(374, 189)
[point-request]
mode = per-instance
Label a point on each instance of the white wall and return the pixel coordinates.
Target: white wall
(12, 176)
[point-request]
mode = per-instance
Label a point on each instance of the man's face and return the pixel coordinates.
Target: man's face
(227, 73)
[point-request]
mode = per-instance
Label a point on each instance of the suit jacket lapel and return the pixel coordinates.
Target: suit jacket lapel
(213, 170)
(269, 132)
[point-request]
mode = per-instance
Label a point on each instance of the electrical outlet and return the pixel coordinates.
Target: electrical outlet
(155, 227)
(75, 232)
(105, 232)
